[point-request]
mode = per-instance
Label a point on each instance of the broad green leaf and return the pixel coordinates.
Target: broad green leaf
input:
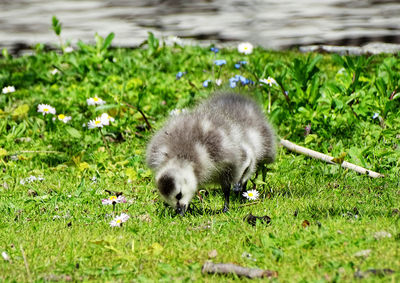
(73, 132)
(3, 152)
(131, 173)
(20, 111)
(106, 107)
(56, 25)
(310, 138)
(83, 166)
(108, 40)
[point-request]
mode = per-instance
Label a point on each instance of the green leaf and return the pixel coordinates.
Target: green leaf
(3, 152)
(20, 111)
(153, 44)
(311, 66)
(107, 41)
(99, 41)
(338, 103)
(310, 138)
(5, 53)
(338, 59)
(381, 86)
(313, 90)
(56, 25)
(73, 132)
(106, 107)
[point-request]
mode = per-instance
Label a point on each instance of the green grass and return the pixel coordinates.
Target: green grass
(63, 229)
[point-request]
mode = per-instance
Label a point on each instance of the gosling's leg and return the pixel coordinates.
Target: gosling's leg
(226, 188)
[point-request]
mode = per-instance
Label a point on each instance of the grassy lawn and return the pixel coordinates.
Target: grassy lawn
(327, 224)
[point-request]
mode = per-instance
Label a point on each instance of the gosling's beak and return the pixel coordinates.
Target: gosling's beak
(181, 209)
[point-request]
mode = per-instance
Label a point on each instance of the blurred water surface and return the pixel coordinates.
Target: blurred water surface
(271, 24)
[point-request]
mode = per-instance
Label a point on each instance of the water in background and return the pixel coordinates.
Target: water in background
(269, 23)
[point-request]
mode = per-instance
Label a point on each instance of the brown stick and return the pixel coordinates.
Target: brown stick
(228, 268)
(36, 151)
(26, 264)
(392, 94)
(249, 204)
(141, 113)
(329, 159)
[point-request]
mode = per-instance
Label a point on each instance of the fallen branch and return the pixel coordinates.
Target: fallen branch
(36, 151)
(249, 204)
(329, 159)
(229, 268)
(141, 113)
(28, 273)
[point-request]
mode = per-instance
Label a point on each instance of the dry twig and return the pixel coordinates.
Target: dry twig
(229, 268)
(26, 264)
(329, 159)
(36, 151)
(141, 113)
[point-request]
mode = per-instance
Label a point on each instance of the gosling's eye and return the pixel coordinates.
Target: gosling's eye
(178, 196)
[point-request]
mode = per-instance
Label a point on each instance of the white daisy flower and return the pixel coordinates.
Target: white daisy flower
(68, 49)
(117, 221)
(64, 118)
(30, 179)
(14, 157)
(171, 40)
(95, 101)
(245, 48)
(113, 200)
(268, 81)
(46, 109)
(8, 89)
(251, 195)
(106, 119)
(97, 123)
(5, 256)
(54, 71)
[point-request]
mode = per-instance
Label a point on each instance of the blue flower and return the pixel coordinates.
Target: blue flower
(214, 49)
(239, 64)
(179, 75)
(220, 62)
(376, 115)
(206, 82)
(239, 79)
